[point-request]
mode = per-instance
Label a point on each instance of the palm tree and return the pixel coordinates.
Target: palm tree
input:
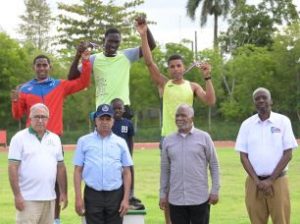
(210, 7)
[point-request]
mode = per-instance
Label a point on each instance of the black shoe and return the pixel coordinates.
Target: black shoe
(134, 199)
(136, 206)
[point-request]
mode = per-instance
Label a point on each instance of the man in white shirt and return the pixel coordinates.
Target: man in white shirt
(35, 161)
(265, 142)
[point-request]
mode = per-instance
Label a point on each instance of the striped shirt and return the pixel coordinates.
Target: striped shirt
(184, 164)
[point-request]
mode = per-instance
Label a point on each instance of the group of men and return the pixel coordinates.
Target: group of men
(103, 159)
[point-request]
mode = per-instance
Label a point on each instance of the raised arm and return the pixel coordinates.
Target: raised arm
(18, 107)
(74, 73)
(73, 86)
(155, 74)
(141, 21)
(208, 95)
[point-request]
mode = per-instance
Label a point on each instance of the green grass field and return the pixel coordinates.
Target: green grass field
(229, 210)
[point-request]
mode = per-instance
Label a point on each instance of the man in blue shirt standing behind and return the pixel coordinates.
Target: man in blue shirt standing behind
(103, 161)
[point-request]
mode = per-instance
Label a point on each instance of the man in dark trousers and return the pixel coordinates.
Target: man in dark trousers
(102, 160)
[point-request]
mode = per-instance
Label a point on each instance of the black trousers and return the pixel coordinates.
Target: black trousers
(102, 207)
(190, 214)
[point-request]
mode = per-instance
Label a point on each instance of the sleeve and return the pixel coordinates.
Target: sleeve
(289, 140)
(79, 154)
(132, 54)
(213, 165)
(60, 157)
(130, 129)
(75, 85)
(92, 59)
(241, 141)
(125, 155)
(15, 149)
(19, 107)
(164, 170)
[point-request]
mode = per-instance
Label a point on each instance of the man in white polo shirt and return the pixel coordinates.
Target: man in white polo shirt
(265, 142)
(35, 161)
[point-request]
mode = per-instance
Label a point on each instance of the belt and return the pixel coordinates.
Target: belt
(283, 173)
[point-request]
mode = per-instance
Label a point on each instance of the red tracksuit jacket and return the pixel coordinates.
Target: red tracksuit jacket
(52, 93)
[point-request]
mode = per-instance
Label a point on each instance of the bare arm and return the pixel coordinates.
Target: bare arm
(74, 73)
(141, 21)
(248, 166)
(286, 157)
(13, 168)
(155, 74)
(126, 183)
(208, 95)
(62, 183)
(79, 205)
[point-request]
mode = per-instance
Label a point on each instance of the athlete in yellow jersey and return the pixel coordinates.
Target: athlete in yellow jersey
(176, 90)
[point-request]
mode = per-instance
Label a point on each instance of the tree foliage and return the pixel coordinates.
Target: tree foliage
(89, 20)
(36, 26)
(215, 8)
(257, 24)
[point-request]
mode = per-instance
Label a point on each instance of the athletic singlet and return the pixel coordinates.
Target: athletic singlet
(173, 96)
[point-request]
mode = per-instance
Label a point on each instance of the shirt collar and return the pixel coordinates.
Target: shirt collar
(98, 135)
(271, 119)
(190, 132)
(33, 132)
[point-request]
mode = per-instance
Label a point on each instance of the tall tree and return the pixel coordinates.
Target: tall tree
(256, 24)
(210, 7)
(89, 19)
(37, 23)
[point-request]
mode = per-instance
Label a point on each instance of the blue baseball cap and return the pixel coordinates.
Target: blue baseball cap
(104, 109)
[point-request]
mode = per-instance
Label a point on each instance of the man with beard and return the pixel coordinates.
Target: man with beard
(265, 142)
(186, 157)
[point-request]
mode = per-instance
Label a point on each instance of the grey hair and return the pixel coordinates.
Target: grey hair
(38, 106)
(188, 108)
(262, 89)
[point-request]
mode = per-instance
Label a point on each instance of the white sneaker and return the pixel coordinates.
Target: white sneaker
(56, 221)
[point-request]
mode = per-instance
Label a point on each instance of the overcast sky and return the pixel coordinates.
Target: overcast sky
(170, 16)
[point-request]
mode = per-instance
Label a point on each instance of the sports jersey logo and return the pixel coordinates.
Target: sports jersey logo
(124, 129)
(275, 130)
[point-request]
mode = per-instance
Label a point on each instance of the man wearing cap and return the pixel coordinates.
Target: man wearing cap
(103, 161)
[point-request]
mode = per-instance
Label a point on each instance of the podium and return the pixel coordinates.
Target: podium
(134, 217)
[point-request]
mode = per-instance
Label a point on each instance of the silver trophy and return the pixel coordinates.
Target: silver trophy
(195, 63)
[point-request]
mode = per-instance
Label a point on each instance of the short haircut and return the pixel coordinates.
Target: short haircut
(111, 30)
(116, 100)
(41, 56)
(175, 57)
(188, 108)
(262, 89)
(37, 107)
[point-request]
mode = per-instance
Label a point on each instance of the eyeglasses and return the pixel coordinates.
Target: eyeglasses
(40, 117)
(42, 65)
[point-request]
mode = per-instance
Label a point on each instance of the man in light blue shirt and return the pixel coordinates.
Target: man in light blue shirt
(103, 161)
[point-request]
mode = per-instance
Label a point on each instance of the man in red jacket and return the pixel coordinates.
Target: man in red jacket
(51, 92)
